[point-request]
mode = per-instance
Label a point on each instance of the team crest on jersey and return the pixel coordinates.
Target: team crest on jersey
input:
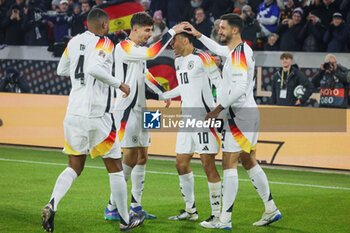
(190, 65)
(134, 139)
(102, 53)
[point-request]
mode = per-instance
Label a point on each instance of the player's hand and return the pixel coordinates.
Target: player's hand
(125, 88)
(167, 103)
(191, 30)
(298, 102)
(178, 28)
(215, 113)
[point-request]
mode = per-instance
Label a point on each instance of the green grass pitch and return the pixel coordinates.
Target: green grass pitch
(309, 201)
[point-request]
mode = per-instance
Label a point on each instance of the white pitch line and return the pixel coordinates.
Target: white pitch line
(170, 173)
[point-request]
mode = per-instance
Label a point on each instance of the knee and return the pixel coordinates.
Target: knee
(181, 166)
(141, 160)
(78, 170)
(248, 164)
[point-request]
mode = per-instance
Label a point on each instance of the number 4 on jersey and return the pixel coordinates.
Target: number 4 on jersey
(79, 70)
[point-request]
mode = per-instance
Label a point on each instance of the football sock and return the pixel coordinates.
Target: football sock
(215, 198)
(229, 192)
(259, 180)
(138, 181)
(63, 183)
(127, 171)
(187, 189)
(119, 195)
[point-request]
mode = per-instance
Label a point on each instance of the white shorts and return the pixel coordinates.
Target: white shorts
(199, 142)
(240, 133)
(95, 136)
(130, 129)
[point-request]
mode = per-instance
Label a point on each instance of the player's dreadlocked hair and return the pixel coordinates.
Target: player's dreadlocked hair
(234, 20)
(141, 19)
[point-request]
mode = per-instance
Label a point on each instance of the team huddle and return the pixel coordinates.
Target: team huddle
(95, 124)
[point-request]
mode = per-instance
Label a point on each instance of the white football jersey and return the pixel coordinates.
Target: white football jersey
(130, 67)
(88, 61)
(193, 73)
(238, 82)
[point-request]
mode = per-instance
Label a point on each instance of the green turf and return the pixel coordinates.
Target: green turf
(25, 188)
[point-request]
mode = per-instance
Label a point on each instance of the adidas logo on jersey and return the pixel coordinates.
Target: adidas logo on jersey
(205, 148)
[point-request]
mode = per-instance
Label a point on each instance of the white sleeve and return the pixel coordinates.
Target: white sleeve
(268, 21)
(132, 52)
(170, 94)
(152, 83)
(98, 67)
(238, 79)
(214, 47)
(64, 64)
(212, 71)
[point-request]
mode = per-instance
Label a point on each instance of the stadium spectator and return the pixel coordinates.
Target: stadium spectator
(61, 21)
(146, 4)
(85, 7)
(220, 7)
(312, 34)
(289, 31)
(174, 12)
(214, 35)
(3, 12)
(189, 10)
(337, 35)
(37, 4)
(254, 4)
(218, 62)
(159, 27)
(55, 5)
(333, 80)
(268, 17)
(11, 24)
(13, 82)
(77, 23)
(251, 26)
(272, 43)
(202, 24)
(98, 2)
(34, 26)
(286, 13)
(325, 9)
(286, 80)
(345, 10)
(240, 3)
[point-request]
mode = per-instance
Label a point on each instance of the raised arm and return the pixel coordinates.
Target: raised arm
(209, 43)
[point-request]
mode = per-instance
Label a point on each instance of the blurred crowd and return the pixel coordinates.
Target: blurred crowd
(273, 25)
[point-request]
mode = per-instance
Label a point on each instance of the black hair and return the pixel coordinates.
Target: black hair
(190, 37)
(141, 19)
(234, 20)
(96, 14)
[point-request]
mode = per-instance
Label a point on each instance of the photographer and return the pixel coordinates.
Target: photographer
(333, 80)
(285, 82)
(13, 82)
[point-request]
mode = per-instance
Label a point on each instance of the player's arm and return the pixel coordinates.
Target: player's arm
(211, 69)
(64, 64)
(132, 52)
(238, 85)
(209, 43)
(170, 94)
(98, 66)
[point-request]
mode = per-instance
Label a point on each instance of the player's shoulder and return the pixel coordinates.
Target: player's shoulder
(126, 44)
(204, 56)
(104, 43)
(243, 49)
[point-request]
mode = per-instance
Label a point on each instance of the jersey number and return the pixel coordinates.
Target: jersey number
(184, 78)
(79, 71)
(203, 138)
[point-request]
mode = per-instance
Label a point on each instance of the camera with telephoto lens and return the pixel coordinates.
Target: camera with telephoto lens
(327, 66)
